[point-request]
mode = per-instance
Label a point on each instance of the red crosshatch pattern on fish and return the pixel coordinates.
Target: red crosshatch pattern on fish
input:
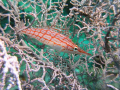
(54, 39)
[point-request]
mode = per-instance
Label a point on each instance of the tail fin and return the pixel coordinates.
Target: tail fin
(20, 26)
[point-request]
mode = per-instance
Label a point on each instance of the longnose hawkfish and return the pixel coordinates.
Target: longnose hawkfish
(54, 39)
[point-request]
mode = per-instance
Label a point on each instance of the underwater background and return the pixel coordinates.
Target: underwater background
(27, 64)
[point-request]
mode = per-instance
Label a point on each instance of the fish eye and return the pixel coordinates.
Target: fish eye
(75, 48)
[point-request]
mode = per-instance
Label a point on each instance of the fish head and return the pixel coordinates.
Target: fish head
(74, 49)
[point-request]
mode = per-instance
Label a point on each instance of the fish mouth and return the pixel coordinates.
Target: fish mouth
(82, 51)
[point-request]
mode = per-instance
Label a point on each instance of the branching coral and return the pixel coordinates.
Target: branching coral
(92, 24)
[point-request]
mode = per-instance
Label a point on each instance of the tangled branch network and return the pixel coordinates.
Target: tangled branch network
(28, 64)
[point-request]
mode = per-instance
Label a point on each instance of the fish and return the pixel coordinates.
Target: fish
(54, 39)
